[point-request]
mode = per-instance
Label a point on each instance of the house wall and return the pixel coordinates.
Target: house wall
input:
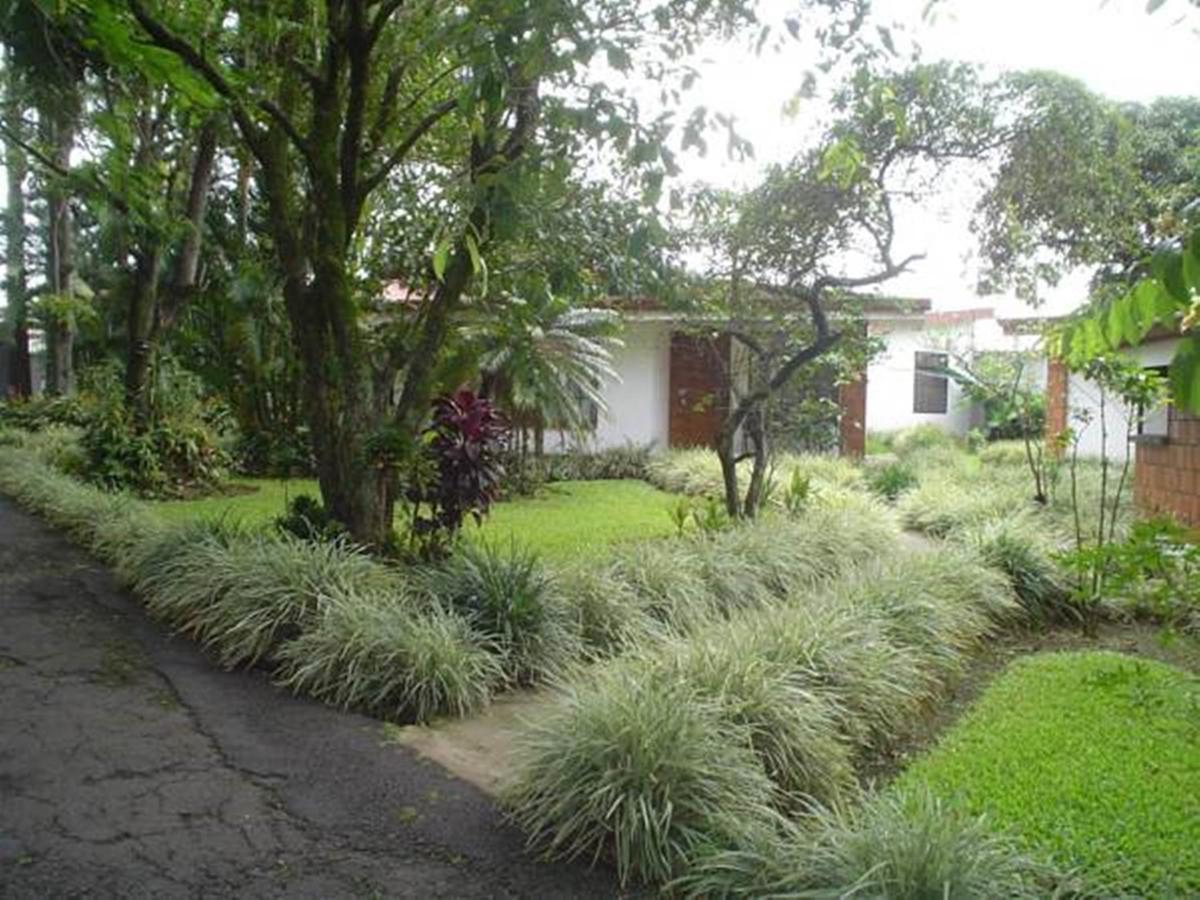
(891, 377)
(1167, 478)
(1083, 396)
(638, 402)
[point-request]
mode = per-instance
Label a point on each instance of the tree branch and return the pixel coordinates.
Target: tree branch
(889, 271)
(419, 130)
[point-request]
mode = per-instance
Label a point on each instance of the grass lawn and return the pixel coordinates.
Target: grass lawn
(1091, 760)
(565, 520)
(580, 518)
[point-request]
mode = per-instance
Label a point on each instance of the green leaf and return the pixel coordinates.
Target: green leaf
(441, 255)
(1115, 329)
(1185, 375)
(1191, 263)
(1167, 265)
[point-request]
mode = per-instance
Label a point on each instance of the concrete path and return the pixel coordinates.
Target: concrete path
(131, 767)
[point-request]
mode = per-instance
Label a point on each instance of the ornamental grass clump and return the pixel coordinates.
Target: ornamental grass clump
(242, 594)
(391, 657)
(510, 598)
(944, 503)
(642, 773)
(901, 844)
(1019, 547)
(940, 604)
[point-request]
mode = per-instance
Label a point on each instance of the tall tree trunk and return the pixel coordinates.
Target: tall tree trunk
(61, 123)
(143, 304)
(20, 375)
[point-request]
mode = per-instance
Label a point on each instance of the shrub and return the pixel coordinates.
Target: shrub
(509, 598)
(941, 604)
(308, 519)
(40, 413)
(610, 615)
(459, 472)
(901, 844)
(1156, 573)
(1017, 545)
(892, 480)
(392, 658)
(628, 461)
(176, 451)
(648, 776)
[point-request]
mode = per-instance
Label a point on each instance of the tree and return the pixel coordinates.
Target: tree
(19, 378)
(795, 251)
(1082, 181)
(348, 95)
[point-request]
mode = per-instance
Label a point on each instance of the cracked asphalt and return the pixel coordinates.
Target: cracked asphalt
(131, 767)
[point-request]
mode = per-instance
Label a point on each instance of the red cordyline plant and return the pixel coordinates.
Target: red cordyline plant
(463, 450)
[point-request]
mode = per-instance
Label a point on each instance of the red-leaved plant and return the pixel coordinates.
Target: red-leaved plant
(462, 477)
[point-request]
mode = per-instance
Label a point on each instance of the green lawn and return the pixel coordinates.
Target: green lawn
(580, 518)
(1092, 760)
(567, 519)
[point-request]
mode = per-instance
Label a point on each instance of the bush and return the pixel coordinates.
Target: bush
(308, 519)
(648, 776)
(40, 413)
(176, 452)
(697, 471)
(891, 480)
(902, 844)
(509, 598)
(629, 461)
(392, 658)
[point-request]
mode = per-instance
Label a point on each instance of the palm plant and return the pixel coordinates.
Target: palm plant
(546, 363)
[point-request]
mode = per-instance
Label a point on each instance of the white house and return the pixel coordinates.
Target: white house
(668, 376)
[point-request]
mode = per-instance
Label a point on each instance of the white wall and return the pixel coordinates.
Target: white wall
(891, 377)
(638, 403)
(1084, 395)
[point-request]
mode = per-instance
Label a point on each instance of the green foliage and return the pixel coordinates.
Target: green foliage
(903, 844)
(392, 659)
(1014, 406)
(892, 479)
(1018, 546)
(783, 700)
(943, 504)
(922, 437)
(1088, 760)
(38, 413)
(511, 600)
(307, 519)
(646, 776)
(175, 451)
(1003, 453)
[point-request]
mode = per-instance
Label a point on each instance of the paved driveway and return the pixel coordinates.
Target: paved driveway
(131, 767)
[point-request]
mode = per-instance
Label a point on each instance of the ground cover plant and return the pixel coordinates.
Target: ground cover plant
(1090, 760)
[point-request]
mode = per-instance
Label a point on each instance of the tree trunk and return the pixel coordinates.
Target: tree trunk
(756, 433)
(143, 303)
(20, 375)
(61, 124)
(726, 453)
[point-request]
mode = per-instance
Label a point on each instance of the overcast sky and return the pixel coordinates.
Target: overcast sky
(1116, 48)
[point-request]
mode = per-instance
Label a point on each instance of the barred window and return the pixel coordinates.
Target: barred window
(931, 386)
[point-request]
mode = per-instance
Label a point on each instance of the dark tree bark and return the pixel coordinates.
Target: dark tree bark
(20, 375)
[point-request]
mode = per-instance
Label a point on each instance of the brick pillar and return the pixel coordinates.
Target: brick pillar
(1058, 381)
(852, 424)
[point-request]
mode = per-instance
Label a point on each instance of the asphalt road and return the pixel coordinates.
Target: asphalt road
(131, 767)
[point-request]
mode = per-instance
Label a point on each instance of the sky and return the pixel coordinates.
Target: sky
(1114, 47)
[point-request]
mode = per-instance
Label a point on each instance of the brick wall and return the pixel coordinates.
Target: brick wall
(1058, 382)
(852, 424)
(1167, 476)
(697, 398)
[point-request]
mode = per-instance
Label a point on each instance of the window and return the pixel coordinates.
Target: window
(930, 385)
